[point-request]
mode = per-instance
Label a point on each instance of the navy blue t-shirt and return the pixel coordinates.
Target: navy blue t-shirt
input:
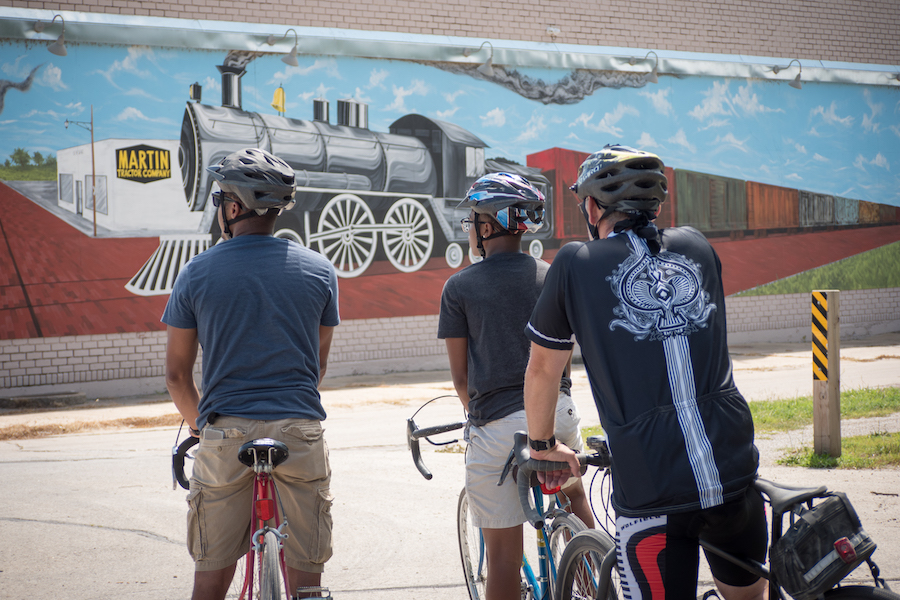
(257, 303)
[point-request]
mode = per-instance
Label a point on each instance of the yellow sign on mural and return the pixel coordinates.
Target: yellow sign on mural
(143, 163)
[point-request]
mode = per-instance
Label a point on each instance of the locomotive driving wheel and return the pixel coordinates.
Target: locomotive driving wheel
(409, 235)
(347, 235)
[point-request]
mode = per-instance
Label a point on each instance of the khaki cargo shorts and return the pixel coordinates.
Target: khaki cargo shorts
(498, 507)
(221, 493)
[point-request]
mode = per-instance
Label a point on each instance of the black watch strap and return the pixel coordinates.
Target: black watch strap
(542, 445)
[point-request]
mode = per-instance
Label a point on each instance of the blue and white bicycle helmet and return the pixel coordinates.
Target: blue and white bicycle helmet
(510, 199)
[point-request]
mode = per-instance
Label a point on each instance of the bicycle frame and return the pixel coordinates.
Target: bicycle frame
(264, 508)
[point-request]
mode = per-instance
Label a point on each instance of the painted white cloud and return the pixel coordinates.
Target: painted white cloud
(800, 148)
(452, 96)
(43, 113)
(818, 157)
(533, 128)
(377, 77)
(715, 123)
(793, 177)
(212, 84)
(861, 162)
(360, 96)
(129, 65)
(328, 65)
(732, 142)
(51, 77)
(719, 102)
(446, 114)
(869, 124)
(607, 123)
(646, 141)
(830, 115)
(680, 139)
(659, 101)
(494, 118)
(133, 114)
(417, 87)
(896, 130)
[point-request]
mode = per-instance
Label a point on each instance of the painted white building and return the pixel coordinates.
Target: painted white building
(138, 186)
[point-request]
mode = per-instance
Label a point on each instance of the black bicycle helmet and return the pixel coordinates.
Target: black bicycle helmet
(622, 179)
(510, 199)
(260, 179)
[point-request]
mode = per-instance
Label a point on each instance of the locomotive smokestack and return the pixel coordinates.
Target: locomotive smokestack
(231, 85)
(320, 110)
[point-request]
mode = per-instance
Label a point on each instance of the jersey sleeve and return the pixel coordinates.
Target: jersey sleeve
(331, 314)
(452, 321)
(549, 324)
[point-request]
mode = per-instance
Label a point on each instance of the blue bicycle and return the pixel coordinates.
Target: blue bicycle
(554, 526)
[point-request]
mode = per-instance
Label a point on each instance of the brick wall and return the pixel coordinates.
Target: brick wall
(398, 344)
(833, 30)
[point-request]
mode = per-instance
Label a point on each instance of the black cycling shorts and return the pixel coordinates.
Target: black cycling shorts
(658, 556)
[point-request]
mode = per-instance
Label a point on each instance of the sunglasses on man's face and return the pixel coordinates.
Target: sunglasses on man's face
(218, 198)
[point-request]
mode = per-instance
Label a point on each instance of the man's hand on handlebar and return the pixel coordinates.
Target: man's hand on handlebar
(559, 453)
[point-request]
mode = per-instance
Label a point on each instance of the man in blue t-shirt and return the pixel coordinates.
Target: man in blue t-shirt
(264, 311)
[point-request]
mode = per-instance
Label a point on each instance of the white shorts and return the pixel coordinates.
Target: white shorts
(498, 507)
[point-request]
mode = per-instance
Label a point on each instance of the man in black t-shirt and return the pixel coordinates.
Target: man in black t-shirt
(648, 311)
(484, 309)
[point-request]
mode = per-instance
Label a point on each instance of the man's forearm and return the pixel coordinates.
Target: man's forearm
(186, 397)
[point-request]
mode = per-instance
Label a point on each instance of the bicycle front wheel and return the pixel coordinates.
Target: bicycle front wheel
(562, 529)
(471, 550)
(860, 592)
(270, 580)
(580, 569)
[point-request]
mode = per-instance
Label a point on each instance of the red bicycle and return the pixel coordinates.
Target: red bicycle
(261, 573)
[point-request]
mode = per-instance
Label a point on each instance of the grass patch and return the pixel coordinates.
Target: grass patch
(28, 173)
(796, 413)
(872, 451)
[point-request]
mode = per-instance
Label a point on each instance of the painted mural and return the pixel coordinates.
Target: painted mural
(383, 151)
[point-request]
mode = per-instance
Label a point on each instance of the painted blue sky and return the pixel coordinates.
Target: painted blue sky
(830, 138)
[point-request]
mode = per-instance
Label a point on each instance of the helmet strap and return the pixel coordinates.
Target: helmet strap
(642, 224)
(226, 230)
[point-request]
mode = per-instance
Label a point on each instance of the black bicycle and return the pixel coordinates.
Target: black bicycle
(823, 542)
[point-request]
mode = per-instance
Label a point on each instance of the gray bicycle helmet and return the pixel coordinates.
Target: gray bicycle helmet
(622, 179)
(260, 179)
(510, 199)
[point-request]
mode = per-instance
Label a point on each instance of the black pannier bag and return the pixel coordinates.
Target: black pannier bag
(822, 546)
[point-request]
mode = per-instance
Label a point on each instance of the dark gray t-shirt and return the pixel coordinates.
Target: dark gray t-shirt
(489, 304)
(257, 303)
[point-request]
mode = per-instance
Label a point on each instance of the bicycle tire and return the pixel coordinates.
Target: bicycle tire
(579, 570)
(270, 580)
(236, 590)
(471, 550)
(861, 592)
(562, 529)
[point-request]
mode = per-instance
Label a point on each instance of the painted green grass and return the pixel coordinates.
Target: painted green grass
(28, 173)
(878, 268)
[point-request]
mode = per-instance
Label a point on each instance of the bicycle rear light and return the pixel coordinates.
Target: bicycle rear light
(845, 550)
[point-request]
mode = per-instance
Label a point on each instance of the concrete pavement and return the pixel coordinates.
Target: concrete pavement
(85, 495)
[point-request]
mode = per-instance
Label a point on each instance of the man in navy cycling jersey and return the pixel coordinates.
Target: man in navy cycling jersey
(648, 311)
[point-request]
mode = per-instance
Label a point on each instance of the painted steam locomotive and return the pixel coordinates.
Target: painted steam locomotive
(354, 185)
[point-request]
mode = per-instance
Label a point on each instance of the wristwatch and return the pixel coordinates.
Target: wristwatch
(542, 445)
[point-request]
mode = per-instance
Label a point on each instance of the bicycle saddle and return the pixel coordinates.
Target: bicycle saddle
(263, 451)
(782, 497)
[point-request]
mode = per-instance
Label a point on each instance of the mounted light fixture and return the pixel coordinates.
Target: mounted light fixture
(59, 46)
(653, 75)
(552, 31)
(291, 57)
(486, 68)
(796, 82)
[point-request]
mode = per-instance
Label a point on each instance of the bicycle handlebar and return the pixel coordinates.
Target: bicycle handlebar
(178, 454)
(529, 467)
(414, 434)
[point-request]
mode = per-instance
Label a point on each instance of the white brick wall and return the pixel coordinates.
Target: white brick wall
(64, 361)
